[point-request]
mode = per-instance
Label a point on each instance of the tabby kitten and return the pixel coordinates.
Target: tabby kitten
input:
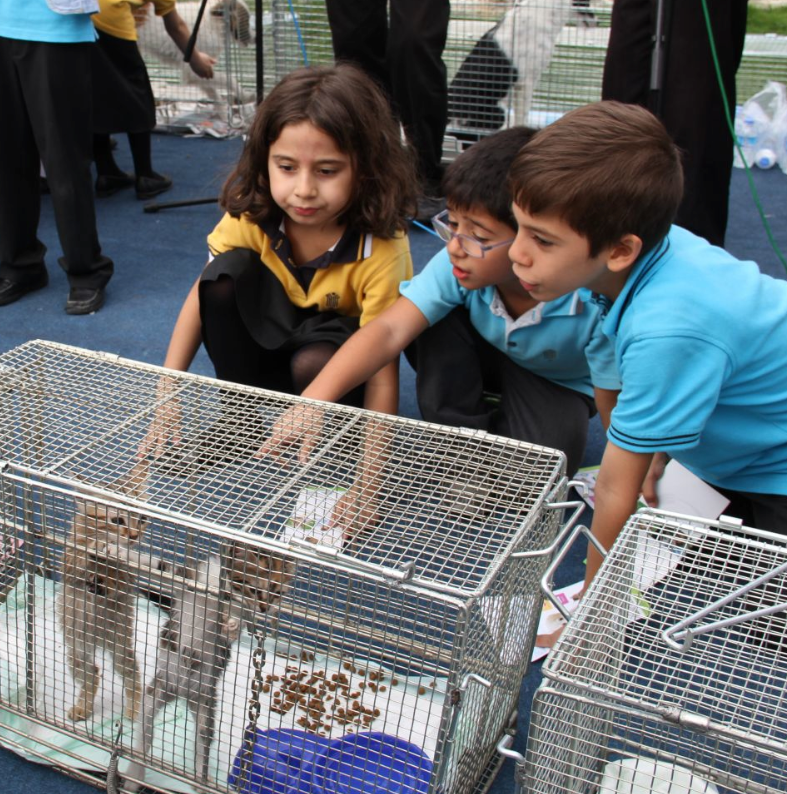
(95, 605)
(195, 643)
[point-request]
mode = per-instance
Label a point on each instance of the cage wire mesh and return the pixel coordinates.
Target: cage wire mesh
(143, 597)
(672, 674)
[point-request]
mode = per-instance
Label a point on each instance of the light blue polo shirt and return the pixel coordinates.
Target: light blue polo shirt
(701, 344)
(33, 20)
(561, 341)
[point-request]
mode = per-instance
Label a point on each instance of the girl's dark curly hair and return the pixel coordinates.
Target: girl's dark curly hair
(347, 105)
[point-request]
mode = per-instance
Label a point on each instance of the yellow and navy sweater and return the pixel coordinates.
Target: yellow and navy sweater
(358, 277)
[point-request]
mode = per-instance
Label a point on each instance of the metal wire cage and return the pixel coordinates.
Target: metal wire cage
(394, 654)
(672, 674)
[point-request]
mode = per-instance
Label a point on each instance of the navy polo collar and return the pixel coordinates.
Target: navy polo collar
(348, 249)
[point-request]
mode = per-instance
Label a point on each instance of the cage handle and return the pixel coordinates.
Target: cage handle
(680, 636)
(456, 694)
(504, 748)
(562, 544)
(546, 579)
(579, 507)
(565, 539)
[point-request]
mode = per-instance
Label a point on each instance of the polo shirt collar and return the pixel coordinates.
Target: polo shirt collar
(642, 271)
(348, 248)
(352, 246)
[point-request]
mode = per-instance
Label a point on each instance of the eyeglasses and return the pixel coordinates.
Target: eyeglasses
(469, 245)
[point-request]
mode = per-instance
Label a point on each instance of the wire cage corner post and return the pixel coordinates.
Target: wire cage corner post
(399, 649)
(673, 671)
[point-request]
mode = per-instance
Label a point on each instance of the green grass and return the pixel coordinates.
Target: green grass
(767, 20)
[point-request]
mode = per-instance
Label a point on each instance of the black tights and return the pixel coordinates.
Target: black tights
(238, 358)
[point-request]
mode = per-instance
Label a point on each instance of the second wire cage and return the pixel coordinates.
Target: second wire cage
(672, 675)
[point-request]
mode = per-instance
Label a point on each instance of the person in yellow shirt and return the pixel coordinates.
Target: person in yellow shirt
(313, 243)
(122, 96)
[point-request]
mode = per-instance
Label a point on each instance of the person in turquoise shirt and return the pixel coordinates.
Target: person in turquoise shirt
(45, 93)
(699, 335)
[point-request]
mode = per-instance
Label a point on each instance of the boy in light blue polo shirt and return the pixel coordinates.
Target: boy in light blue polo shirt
(477, 330)
(700, 337)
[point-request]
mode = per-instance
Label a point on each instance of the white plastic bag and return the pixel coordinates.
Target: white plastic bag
(755, 127)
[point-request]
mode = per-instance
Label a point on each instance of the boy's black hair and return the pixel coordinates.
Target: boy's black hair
(478, 178)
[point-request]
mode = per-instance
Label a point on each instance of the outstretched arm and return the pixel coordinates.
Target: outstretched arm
(201, 63)
(183, 345)
(618, 487)
(367, 351)
(187, 333)
(364, 355)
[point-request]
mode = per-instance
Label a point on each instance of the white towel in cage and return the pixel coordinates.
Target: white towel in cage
(413, 707)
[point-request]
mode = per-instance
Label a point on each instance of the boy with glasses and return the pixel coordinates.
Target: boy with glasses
(477, 331)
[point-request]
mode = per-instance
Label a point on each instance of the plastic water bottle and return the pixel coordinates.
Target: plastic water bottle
(765, 156)
(749, 130)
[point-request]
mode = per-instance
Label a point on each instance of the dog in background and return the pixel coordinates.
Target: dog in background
(509, 60)
(222, 20)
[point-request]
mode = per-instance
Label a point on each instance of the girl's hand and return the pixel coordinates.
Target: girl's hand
(202, 64)
(164, 431)
(655, 473)
(300, 425)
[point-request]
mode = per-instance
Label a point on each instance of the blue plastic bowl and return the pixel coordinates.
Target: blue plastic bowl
(366, 763)
(277, 760)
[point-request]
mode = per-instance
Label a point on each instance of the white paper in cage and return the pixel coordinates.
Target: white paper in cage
(311, 517)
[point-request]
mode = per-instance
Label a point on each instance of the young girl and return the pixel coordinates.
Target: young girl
(313, 241)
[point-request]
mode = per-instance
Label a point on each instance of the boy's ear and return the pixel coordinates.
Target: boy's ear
(624, 253)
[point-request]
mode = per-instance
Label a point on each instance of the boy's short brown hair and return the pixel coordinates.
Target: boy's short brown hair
(607, 170)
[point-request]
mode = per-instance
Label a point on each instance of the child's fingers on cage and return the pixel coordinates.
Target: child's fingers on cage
(353, 515)
(297, 425)
(307, 446)
(160, 436)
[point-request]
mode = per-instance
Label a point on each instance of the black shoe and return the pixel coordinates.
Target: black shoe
(108, 184)
(84, 300)
(11, 291)
(150, 186)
